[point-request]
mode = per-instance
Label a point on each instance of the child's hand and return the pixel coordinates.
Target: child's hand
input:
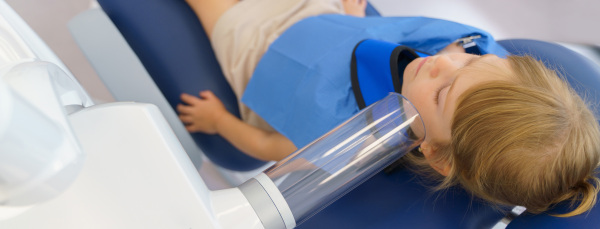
(201, 114)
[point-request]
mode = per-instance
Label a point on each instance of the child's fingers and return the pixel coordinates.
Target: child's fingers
(189, 99)
(207, 94)
(191, 128)
(183, 109)
(186, 119)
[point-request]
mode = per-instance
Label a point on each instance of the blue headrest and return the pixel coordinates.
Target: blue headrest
(584, 76)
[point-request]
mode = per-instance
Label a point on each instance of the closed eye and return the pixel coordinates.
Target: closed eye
(469, 62)
(436, 98)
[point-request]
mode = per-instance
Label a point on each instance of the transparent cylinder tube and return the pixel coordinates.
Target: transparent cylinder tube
(326, 169)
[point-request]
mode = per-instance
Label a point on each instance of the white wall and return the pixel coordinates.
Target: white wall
(573, 21)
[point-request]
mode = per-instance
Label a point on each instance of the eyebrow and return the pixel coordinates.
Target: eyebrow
(469, 63)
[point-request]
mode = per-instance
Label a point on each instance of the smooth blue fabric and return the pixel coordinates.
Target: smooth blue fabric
(308, 67)
(402, 199)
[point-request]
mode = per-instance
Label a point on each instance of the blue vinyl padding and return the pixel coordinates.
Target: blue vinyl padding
(172, 45)
(401, 199)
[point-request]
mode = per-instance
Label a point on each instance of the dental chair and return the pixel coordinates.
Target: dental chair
(152, 51)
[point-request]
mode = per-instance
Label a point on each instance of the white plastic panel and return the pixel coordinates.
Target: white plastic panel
(136, 175)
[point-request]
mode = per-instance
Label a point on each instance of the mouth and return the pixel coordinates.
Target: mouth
(421, 65)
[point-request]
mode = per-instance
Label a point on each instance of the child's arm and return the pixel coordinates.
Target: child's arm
(207, 114)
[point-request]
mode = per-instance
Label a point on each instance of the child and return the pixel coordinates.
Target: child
(508, 130)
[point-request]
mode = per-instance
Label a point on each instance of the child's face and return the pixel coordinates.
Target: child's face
(434, 84)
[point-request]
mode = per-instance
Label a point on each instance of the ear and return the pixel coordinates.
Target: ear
(429, 151)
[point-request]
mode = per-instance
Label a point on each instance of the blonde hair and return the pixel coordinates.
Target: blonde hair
(529, 141)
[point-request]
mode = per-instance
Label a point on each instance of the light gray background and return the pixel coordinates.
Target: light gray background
(574, 21)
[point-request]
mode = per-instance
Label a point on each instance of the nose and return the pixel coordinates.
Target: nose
(444, 66)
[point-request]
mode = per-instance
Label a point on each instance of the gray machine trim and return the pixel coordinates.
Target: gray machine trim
(262, 204)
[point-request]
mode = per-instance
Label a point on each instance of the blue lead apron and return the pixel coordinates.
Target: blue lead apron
(302, 85)
(377, 68)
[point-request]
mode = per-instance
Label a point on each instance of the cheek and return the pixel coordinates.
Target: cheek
(409, 72)
(419, 96)
(416, 92)
(410, 69)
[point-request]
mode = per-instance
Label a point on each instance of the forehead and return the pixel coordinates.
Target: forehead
(485, 69)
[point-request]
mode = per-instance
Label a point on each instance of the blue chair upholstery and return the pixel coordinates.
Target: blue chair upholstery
(170, 42)
(401, 199)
